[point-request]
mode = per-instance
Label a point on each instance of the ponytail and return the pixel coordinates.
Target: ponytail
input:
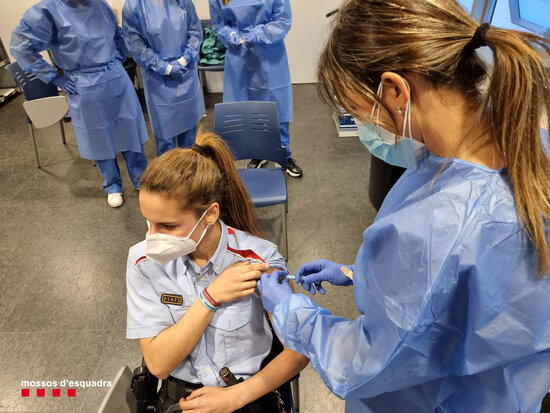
(517, 101)
(199, 176)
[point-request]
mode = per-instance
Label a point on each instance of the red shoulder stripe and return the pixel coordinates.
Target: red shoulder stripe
(140, 259)
(230, 230)
(246, 254)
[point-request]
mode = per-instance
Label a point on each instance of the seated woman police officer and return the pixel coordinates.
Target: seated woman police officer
(192, 297)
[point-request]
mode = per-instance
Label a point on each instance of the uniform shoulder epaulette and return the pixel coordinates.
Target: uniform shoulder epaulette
(140, 260)
(244, 254)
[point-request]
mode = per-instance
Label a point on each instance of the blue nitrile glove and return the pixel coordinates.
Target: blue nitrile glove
(176, 64)
(177, 70)
(272, 292)
(251, 39)
(315, 272)
(234, 39)
(66, 85)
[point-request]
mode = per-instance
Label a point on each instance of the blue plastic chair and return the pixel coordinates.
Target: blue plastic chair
(34, 88)
(251, 129)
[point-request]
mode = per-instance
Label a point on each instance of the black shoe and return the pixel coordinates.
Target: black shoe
(255, 164)
(292, 169)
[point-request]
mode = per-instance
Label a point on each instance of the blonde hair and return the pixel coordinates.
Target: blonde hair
(432, 40)
(200, 176)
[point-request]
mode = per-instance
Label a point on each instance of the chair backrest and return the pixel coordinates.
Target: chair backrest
(33, 88)
(251, 129)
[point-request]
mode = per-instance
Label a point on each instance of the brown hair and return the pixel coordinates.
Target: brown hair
(200, 176)
(225, 2)
(432, 40)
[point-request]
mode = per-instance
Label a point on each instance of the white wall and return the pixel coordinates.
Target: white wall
(306, 39)
(304, 42)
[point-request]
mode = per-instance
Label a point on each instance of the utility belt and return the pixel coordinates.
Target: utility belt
(173, 389)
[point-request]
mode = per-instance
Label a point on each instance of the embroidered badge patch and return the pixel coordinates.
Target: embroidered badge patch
(171, 299)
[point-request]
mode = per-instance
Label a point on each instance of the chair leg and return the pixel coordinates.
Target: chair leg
(35, 147)
(62, 132)
(285, 234)
(295, 394)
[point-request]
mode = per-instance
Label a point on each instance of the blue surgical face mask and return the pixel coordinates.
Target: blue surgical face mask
(405, 153)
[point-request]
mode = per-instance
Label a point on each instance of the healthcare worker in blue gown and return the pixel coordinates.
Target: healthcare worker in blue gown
(256, 64)
(164, 37)
(87, 43)
(452, 279)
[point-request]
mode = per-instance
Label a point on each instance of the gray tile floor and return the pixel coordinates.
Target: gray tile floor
(63, 249)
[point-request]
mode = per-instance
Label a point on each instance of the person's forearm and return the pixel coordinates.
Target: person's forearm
(281, 369)
(170, 347)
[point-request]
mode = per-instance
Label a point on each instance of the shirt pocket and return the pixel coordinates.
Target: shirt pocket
(232, 331)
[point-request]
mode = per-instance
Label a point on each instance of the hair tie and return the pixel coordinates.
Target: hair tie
(478, 39)
(201, 150)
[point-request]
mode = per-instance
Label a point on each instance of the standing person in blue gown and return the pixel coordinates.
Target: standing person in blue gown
(452, 280)
(256, 64)
(164, 37)
(87, 43)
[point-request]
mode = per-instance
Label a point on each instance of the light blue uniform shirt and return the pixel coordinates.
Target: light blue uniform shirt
(238, 336)
(453, 317)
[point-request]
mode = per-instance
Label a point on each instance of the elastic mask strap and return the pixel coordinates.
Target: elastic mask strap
(197, 224)
(376, 106)
(203, 234)
(407, 119)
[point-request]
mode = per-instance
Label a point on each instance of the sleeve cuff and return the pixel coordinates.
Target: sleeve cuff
(168, 70)
(182, 61)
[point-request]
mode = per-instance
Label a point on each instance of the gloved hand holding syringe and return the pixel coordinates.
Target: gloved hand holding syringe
(312, 274)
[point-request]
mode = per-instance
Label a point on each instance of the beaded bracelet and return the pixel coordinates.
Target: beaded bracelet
(210, 299)
(205, 302)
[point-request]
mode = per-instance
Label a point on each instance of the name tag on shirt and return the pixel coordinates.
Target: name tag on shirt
(171, 299)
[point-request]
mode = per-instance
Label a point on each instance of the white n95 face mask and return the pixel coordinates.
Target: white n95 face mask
(163, 248)
(405, 153)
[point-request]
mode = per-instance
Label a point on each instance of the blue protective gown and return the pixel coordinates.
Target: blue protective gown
(453, 316)
(88, 45)
(260, 72)
(157, 32)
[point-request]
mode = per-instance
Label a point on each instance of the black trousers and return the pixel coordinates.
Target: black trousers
(173, 389)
